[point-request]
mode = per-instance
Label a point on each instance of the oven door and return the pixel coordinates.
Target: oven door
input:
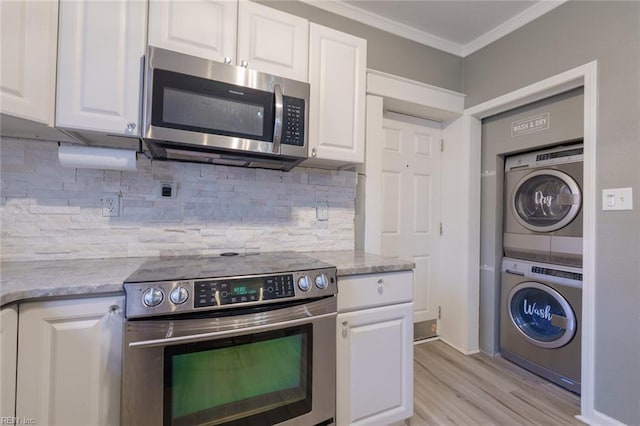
(274, 366)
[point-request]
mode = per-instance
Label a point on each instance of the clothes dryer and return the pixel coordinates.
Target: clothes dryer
(541, 313)
(543, 205)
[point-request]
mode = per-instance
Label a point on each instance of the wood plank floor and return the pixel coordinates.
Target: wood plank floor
(453, 389)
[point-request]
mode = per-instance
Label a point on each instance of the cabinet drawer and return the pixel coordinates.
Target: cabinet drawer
(365, 291)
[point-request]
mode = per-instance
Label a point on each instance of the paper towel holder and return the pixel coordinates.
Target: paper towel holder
(91, 157)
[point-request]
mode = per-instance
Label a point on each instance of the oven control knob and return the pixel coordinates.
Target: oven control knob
(303, 283)
(152, 297)
(321, 281)
(179, 295)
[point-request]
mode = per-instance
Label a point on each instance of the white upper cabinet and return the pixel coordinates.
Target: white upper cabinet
(101, 46)
(337, 74)
(204, 28)
(272, 41)
(28, 47)
(241, 32)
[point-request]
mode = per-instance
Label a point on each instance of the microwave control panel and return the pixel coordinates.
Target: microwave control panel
(293, 121)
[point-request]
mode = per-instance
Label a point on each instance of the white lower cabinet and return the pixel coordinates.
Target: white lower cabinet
(8, 353)
(374, 332)
(69, 361)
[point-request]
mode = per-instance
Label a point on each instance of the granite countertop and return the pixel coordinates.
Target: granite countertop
(20, 281)
(355, 262)
(52, 278)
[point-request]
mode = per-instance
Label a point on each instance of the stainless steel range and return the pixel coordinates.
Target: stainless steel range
(234, 340)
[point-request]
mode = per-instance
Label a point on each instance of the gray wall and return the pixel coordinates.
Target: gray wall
(387, 52)
(571, 35)
(566, 125)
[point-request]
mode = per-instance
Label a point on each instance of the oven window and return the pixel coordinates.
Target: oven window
(255, 379)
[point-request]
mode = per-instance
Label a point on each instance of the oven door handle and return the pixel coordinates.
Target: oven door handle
(220, 334)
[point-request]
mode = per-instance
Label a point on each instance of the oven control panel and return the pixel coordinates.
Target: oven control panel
(225, 292)
(168, 297)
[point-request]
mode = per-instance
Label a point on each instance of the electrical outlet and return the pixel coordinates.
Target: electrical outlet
(110, 204)
(322, 210)
(168, 190)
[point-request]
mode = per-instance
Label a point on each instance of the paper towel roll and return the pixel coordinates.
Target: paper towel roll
(88, 157)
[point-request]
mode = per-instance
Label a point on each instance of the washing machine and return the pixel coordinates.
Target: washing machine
(541, 313)
(543, 205)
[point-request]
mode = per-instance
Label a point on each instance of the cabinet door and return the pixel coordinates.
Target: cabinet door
(337, 73)
(272, 41)
(27, 79)
(203, 28)
(69, 361)
(374, 370)
(100, 51)
(8, 353)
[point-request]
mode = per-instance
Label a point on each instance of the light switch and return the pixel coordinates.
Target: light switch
(617, 199)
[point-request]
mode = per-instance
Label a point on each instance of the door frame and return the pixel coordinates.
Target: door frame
(458, 289)
(463, 126)
(387, 92)
(582, 76)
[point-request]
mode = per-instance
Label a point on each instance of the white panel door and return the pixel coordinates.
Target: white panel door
(410, 194)
(374, 367)
(337, 73)
(69, 361)
(272, 41)
(203, 28)
(28, 37)
(100, 50)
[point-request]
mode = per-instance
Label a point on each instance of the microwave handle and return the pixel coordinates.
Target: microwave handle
(277, 127)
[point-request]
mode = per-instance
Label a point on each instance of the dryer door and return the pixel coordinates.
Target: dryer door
(545, 200)
(541, 314)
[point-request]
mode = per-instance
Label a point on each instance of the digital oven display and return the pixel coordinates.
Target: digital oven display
(225, 292)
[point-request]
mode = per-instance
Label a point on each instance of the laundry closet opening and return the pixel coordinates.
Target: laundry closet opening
(531, 229)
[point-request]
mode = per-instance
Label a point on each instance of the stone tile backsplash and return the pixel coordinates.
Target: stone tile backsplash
(50, 212)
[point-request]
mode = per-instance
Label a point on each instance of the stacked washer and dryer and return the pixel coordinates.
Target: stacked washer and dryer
(541, 294)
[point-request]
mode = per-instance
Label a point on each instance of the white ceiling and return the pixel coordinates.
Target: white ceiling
(456, 26)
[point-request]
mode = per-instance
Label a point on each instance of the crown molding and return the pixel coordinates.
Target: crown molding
(347, 10)
(352, 12)
(520, 20)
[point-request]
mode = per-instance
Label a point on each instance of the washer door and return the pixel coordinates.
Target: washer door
(546, 200)
(541, 314)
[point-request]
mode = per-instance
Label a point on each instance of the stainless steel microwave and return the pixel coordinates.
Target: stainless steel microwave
(198, 110)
